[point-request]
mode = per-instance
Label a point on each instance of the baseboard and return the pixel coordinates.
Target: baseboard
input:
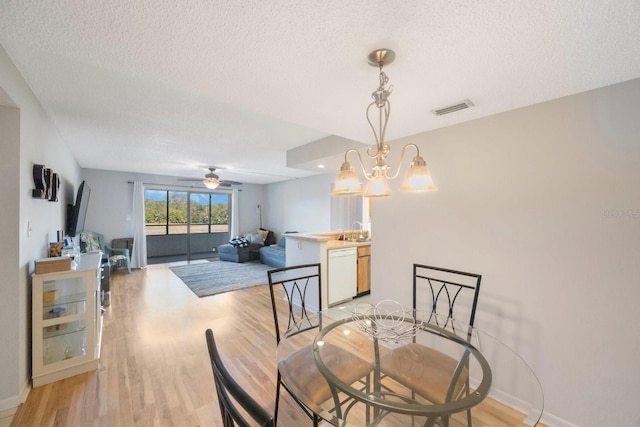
(6, 416)
(547, 419)
(553, 421)
(9, 407)
(8, 404)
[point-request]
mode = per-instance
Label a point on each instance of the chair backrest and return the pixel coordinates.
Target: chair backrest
(235, 403)
(123, 243)
(302, 294)
(451, 294)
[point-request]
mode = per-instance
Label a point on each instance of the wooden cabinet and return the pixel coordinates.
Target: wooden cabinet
(364, 269)
(67, 321)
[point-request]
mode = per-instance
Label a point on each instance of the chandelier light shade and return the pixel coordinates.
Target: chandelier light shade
(418, 178)
(377, 186)
(347, 182)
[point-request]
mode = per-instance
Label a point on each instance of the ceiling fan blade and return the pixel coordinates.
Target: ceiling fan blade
(226, 181)
(189, 179)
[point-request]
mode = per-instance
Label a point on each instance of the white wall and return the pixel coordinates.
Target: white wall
(110, 205)
(250, 197)
(27, 136)
(301, 205)
(9, 261)
(544, 202)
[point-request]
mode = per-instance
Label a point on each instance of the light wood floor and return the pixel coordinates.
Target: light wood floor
(155, 369)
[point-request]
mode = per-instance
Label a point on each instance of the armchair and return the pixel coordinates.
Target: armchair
(91, 241)
(123, 243)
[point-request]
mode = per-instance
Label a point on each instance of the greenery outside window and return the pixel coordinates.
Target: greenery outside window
(182, 212)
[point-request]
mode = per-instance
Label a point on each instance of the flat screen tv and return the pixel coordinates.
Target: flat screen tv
(76, 214)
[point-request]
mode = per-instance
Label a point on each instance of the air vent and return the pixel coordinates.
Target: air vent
(453, 108)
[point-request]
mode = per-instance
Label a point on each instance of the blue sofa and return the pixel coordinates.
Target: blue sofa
(235, 253)
(231, 253)
(274, 256)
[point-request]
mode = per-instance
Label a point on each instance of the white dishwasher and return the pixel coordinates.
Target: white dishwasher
(343, 274)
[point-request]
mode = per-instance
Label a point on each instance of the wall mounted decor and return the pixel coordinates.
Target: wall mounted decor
(47, 183)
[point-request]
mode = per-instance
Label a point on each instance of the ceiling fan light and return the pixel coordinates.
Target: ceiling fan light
(347, 183)
(211, 183)
(418, 178)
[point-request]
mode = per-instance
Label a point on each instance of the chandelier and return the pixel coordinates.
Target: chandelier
(417, 179)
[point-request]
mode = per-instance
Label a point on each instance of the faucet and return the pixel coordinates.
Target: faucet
(361, 236)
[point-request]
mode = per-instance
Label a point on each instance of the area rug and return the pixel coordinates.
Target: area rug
(215, 277)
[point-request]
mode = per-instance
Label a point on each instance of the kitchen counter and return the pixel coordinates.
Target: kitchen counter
(309, 248)
(328, 238)
(332, 244)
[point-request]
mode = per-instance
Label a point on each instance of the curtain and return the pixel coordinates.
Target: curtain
(139, 255)
(234, 215)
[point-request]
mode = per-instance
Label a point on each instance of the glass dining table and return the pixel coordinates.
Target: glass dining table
(424, 370)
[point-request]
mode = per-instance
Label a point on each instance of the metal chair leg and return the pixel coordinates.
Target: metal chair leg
(275, 413)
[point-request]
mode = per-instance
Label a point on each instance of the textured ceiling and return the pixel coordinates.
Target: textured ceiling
(170, 87)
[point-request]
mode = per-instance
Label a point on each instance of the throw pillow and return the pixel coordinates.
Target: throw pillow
(270, 239)
(255, 238)
(263, 232)
(239, 242)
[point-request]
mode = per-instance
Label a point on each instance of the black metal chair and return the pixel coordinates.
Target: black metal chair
(234, 402)
(438, 289)
(303, 291)
(449, 296)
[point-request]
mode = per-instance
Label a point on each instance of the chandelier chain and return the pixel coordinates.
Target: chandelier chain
(381, 100)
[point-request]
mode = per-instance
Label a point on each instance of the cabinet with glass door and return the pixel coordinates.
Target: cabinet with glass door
(67, 321)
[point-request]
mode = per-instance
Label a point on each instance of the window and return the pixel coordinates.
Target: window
(155, 211)
(200, 213)
(182, 212)
(220, 213)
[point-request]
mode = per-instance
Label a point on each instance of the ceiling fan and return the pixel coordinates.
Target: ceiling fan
(212, 181)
